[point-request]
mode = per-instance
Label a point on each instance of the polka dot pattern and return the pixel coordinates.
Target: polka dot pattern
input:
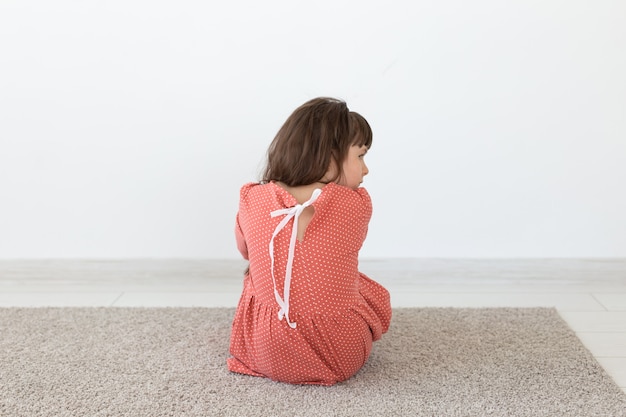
(338, 310)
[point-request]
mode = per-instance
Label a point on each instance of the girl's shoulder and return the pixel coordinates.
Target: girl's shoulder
(265, 191)
(349, 193)
(245, 189)
(336, 197)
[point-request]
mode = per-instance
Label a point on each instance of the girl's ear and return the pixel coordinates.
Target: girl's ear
(332, 172)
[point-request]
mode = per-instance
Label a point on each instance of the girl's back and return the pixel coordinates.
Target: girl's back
(325, 263)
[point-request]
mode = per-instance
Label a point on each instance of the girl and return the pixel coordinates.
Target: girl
(306, 314)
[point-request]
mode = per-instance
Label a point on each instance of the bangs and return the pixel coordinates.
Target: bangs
(360, 130)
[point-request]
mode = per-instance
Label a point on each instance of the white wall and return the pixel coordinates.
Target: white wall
(127, 127)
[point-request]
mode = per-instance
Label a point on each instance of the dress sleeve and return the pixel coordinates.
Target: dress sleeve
(239, 236)
(241, 240)
(367, 203)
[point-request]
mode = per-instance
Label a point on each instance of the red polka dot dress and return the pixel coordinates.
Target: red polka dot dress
(306, 314)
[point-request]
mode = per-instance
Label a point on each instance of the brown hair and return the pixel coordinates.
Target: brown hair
(318, 132)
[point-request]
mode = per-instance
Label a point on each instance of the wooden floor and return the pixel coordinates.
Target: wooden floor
(590, 294)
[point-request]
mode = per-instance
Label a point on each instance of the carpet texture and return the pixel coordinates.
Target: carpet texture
(171, 362)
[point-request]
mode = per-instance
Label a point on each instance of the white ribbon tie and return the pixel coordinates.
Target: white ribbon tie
(289, 213)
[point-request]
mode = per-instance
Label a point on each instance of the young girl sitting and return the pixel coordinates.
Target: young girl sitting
(306, 314)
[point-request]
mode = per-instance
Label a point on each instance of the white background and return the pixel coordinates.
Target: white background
(127, 127)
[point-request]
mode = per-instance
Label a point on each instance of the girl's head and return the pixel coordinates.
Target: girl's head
(318, 142)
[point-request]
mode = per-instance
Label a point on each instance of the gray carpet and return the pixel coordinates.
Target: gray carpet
(171, 362)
